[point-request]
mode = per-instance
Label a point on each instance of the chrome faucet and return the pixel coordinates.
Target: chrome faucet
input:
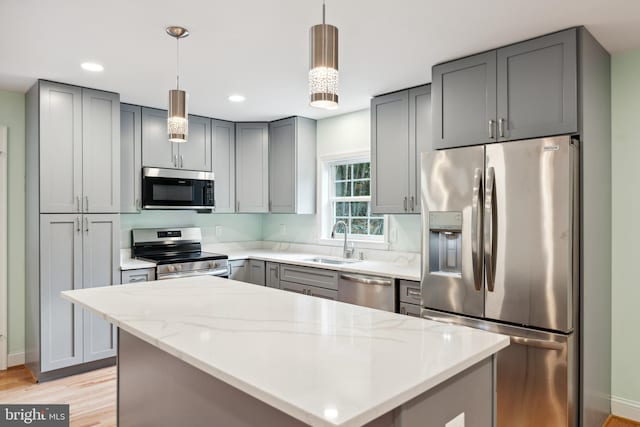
(346, 252)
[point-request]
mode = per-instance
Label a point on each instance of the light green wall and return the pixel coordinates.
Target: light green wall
(12, 115)
(625, 114)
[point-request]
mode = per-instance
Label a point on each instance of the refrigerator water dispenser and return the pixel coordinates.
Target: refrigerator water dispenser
(445, 243)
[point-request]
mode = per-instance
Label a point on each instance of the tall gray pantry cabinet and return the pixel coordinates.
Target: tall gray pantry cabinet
(73, 225)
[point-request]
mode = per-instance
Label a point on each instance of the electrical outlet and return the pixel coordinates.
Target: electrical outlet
(456, 422)
(218, 231)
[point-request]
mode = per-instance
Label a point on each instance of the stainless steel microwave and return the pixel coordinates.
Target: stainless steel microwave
(177, 189)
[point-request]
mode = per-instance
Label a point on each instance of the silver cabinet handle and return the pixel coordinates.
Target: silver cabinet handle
(78, 224)
(405, 203)
(86, 224)
(174, 160)
(414, 292)
(237, 206)
(403, 310)
(269, 205)
(77, 203)
(476, 228)
(181, 160)
(491, 134)
(138, 279)
(86, 202)
(489, 232)
(413, 204)
(138, 205)
(277, 272)
(533, 342)
(366, 280)
(501, 127)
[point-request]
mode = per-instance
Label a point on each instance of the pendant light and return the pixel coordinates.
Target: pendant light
(177, 119)
(323, 65)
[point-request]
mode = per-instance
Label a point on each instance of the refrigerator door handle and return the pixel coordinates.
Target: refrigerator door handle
(533, 342)
(489, 232)
(476, 228)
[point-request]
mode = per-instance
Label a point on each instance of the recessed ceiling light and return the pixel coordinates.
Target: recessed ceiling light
(91, 66)
(236, 98)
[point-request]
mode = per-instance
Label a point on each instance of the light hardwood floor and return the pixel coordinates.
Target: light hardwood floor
(92, 396)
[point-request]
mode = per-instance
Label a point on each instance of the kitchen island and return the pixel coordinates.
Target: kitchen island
(207, 351)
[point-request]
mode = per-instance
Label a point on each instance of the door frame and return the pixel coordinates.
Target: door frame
(4, 303)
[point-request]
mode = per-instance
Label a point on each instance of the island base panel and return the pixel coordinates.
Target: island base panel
(157, 389)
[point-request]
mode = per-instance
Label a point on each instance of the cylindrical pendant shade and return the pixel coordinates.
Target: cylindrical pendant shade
(177, 120)
(323, 66)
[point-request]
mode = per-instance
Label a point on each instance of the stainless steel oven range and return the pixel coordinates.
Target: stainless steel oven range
(177, 253)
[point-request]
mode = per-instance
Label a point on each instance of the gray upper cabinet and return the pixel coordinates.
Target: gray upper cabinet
(100, 151)
(60, 270)
(195, 154)
(79, 143)
(464, 100)
(60, 133)
(292, 166)
(400, 131)
(130, 158)
(390, 153)
(100, 267)
(272, 275)
(252, 167)
(157, 151)
(521, 91)
(223, 147)
(537, 87)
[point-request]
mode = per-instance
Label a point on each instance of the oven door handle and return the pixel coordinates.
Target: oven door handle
(215, 272)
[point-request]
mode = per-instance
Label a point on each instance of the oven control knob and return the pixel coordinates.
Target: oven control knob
(171, 268)
(212, 264)
(179, 267)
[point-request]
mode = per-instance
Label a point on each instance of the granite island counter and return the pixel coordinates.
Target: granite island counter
(210, 351)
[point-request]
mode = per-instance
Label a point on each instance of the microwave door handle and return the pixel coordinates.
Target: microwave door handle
(489, 232)
(476, 229)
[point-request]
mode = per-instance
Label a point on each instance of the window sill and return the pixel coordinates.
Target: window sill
(359, 244)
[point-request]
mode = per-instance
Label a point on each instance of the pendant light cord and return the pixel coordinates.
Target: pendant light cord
(178, 63)
(323, 12)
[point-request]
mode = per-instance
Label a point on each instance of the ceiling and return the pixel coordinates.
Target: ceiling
(259, 48)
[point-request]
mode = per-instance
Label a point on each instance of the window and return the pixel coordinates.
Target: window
(350, 200)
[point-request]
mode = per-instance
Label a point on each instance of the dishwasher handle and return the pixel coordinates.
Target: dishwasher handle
(366, 280)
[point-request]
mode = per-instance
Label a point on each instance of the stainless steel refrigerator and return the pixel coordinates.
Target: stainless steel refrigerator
(501, 252)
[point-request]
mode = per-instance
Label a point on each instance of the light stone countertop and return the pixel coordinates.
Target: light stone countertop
(398, 269)
(323, 362)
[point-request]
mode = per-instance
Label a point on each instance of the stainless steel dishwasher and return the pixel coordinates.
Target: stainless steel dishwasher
(368, 291)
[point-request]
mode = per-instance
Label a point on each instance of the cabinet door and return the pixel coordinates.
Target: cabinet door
(420, 134)
(537, 87)
(257, 272)
(100, 151)
(322, 293)
(60, 270)
(130, 158)
(390, 153)
(100, 267)
(252, 167)
(223, 142)
(293, 287)
(272, 275)
(410, 309)
(238, 270)
(464, 101)
(60, 148)
(138, 275)
(282, 166)
(157, 151)
(195, 154)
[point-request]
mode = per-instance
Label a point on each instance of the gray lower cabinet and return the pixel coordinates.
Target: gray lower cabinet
(76, 251)
(256, 272)
(410, 296)
(309, 290)
(272, 275)
(138, 275)
(159, 152)
(400, 131)
(78, 137)
(521, 91)
(223, 148)
(412, 310)
(239, 270)
(309, 281)
(292, 166)
(252, 167)
(130, 158)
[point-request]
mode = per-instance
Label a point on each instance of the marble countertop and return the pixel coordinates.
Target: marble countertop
(323, 362)
(401, 269)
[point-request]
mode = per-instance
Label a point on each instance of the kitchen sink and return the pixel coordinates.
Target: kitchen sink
(332, 261)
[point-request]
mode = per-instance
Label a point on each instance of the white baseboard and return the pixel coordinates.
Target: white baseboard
(15, 359)
(625, 408)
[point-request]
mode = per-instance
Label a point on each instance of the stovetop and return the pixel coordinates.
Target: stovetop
(177, 257)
